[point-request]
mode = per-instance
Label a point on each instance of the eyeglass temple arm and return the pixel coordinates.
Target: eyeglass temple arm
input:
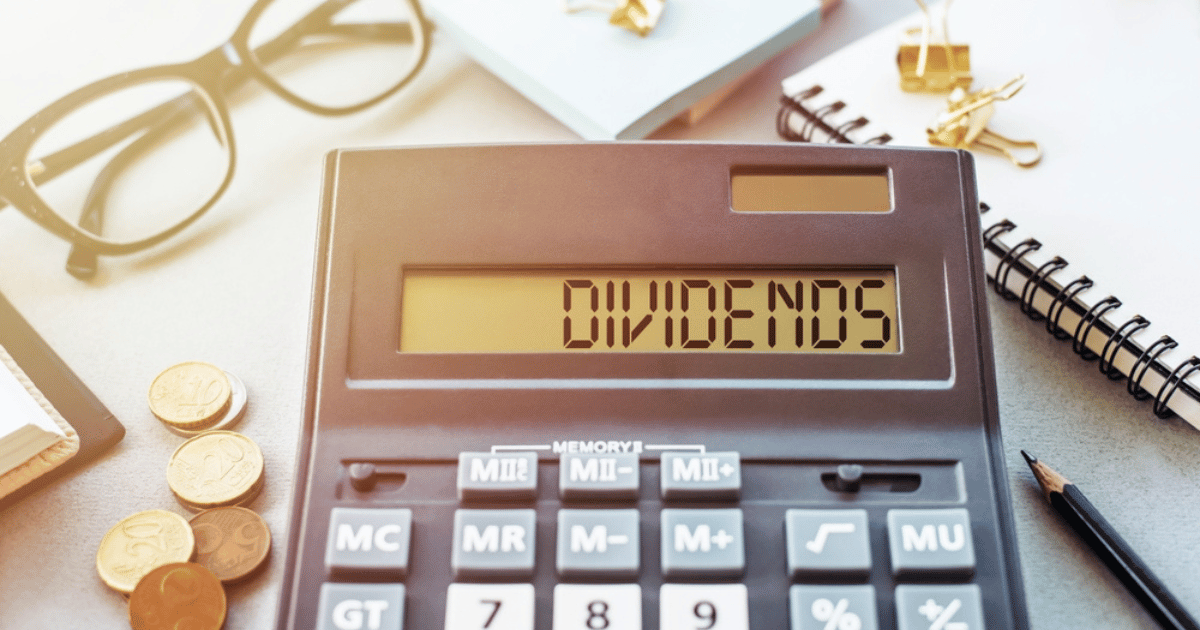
(82, 260)
(55, 164)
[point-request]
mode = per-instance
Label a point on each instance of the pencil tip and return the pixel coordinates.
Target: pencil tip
(1029, 459)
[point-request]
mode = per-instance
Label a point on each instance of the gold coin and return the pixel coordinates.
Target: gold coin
(190, 395)
(232, 542)
(233, 413)
(215, 469)
(176, 596)
(141, 543)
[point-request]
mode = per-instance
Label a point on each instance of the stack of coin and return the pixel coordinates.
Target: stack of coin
(153, 556)
(216, 469)
(194, 397)
(141, 543)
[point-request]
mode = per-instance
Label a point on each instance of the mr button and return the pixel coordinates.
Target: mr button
(368, 541)
(701, 476)
(494, 544)
(504, 476)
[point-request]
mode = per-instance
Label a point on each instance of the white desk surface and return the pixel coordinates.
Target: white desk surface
(235, 292)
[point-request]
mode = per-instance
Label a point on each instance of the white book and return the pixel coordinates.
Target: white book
(26, 429)
(607, 83)
(1112, 93)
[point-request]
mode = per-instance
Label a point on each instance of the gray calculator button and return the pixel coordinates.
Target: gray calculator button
(931, 541)
(509, 476)
(702, 543)
(701, 475)
(821, 542)
(956, 607)
(493, 543)
(368, 540)
(821, 607)
(598, 543)
(602, 476)
(361, 607)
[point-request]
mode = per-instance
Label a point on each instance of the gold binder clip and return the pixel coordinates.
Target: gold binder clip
(964, 124)
(638, 16)
(926, 67)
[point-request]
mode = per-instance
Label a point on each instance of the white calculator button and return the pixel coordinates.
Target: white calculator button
(489, 607)
(592, 606)
(704, 606)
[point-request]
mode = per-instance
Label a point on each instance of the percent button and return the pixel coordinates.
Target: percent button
(833, 607)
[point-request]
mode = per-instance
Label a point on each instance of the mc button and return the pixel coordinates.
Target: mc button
(368, 540)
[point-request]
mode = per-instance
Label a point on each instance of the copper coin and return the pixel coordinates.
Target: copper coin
(232, 542)
(178, 596)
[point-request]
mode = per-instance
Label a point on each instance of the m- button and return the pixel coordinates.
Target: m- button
(701, 475)
(505, 476)
(368, 540)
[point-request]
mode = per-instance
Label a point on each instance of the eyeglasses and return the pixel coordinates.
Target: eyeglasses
(157, 147)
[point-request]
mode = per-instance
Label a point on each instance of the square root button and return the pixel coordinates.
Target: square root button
(368, 540)
(702, 543)
(824, 542)
(931, 542)
(703, 476)
(495, 544)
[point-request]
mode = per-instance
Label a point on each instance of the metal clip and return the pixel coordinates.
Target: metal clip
(638, 16)
(964, 124)
(933, 68)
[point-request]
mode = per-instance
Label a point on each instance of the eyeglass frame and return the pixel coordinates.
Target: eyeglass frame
(207, 74)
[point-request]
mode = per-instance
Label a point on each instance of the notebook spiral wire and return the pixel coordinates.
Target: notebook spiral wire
(1065, 297)
(1040, 278)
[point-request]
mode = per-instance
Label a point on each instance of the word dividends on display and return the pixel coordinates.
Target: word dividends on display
(574, 310)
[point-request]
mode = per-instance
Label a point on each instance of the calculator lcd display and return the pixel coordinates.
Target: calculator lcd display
(582, 310)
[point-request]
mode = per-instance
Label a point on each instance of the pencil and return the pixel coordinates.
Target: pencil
(1086, 520)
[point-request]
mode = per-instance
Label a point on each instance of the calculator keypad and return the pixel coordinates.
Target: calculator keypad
(832, 557)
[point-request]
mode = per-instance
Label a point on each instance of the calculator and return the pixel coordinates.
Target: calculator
(650, 386)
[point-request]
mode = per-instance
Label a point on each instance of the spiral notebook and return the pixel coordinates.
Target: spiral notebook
(1098, 242)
